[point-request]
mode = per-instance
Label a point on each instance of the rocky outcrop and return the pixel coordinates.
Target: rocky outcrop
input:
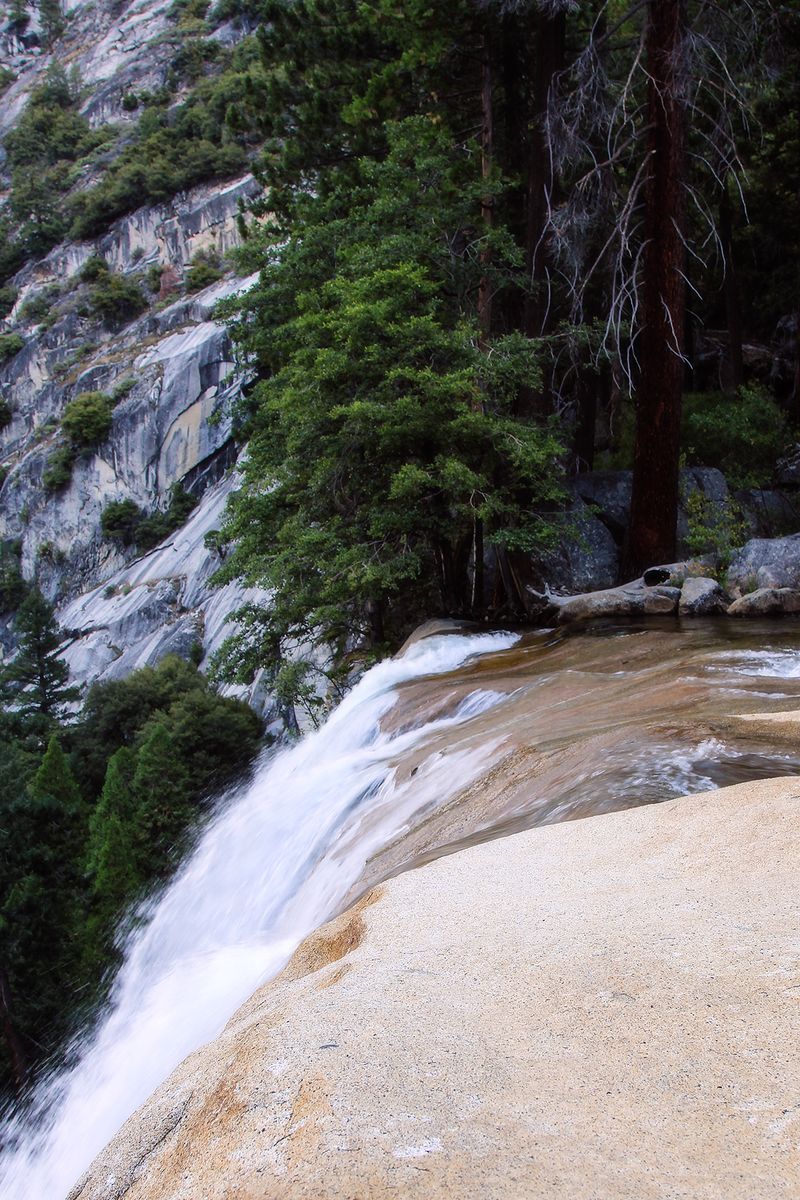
(512, 1019)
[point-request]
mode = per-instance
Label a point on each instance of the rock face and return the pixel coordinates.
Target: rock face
(160, 604)
(767, 563)
(511, 1021)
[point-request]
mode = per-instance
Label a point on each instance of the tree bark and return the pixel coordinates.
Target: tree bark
(654, 503)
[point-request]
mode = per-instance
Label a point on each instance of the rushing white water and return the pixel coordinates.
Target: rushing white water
(275, 864)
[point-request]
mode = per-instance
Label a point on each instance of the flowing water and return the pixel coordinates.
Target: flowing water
(462, 738)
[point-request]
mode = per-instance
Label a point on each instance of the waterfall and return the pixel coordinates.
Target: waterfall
(276, 863)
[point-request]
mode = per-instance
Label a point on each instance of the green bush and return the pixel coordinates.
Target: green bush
(10, 344)
(116, 299)
(58, 471)
(93, 269)
(120, 520)
(13, 588)
(8, 298)
(155, 528)
(122, 389)
(742, 434)
(204, 270)
(6, 414)
(87, 420)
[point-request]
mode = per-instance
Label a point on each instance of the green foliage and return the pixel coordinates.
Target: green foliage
(122, 389)
(385, 431)
(716, 528)
(10, 345)
(119, 521)
(35, 683)
(87, 420)
(84, 835)
(204, 270)
(48, 144)
(8, 298)
(58, 472)
(13, 587)
(125, 522)
(6, 414)
(202, 139)
(153, 529)
(116, 298)
(743, 434)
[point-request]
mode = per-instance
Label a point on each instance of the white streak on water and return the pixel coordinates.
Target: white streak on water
(273, 866)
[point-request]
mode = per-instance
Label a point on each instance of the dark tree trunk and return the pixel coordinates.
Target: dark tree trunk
(733, 314)
(16, 1049)
(654, 503)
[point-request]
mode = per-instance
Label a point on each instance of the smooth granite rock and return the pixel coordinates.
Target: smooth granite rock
(605, 1009)
(767, 563)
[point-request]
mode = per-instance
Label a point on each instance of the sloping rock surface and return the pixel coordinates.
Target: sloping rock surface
(604, 1008)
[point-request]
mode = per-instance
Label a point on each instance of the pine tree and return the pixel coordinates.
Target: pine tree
(163, 805)
(110, 850)
(35, 683)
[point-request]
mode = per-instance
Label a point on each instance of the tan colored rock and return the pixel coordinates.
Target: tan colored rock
(770, 727)
(608, 1008)
(766, 602)
(628, 601)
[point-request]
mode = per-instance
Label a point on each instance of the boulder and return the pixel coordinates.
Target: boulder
(631, 600)
(586, 557)
(766, 602)
(770, 512)
(767, 563)
(701, 596)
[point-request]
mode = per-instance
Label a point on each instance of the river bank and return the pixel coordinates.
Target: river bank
(603, 1008)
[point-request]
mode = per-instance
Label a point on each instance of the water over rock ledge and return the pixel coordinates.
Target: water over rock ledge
(604, 1008)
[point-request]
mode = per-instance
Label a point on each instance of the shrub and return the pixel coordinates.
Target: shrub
(743, 434)
(122, 389)
(715, 527)
(58, 471)
(155, 528)
(119, 521)
(6, 414)
(130, 101)
(93, 269)
(87, 420)
(8, 298)
(116, 299)
(204, 270)
(13, 588)
(10, 344)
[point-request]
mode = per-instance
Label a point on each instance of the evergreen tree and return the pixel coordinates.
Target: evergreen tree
(42, 898)
(111, 850)
(163, 804)
(35, 683)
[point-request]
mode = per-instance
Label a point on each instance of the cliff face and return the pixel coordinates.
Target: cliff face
(171, 370)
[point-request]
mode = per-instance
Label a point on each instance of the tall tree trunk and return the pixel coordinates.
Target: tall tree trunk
(654, 503)
(733, 314)
(16, 1049)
